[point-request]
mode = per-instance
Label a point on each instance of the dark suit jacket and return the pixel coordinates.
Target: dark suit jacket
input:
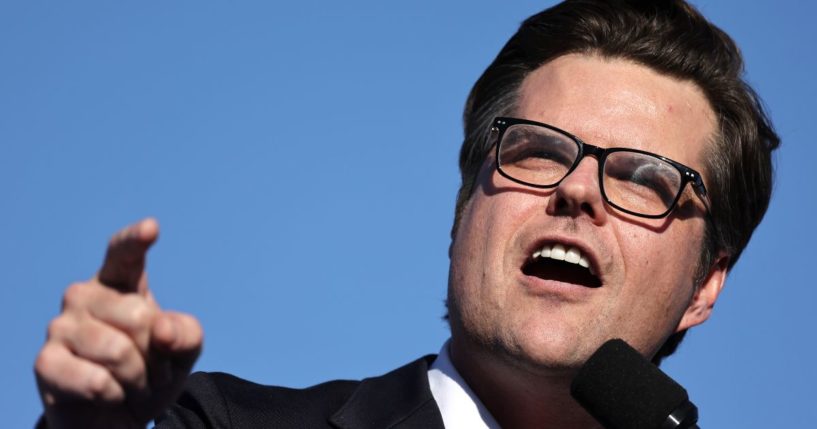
(400, 399)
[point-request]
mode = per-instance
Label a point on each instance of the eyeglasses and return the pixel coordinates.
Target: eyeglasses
(634, 181)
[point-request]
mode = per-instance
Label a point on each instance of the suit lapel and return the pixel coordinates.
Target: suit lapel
(400, 399)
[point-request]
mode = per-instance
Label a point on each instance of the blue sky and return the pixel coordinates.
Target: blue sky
(301, 159)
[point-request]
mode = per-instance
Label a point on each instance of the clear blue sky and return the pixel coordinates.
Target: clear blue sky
(301, 159)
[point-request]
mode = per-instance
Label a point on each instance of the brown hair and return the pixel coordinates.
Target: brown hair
(673, 38)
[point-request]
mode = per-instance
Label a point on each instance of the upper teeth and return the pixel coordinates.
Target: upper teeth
(559, 253)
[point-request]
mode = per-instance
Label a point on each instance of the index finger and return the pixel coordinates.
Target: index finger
(124, 264)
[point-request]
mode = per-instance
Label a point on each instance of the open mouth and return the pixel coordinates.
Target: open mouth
(556, 263)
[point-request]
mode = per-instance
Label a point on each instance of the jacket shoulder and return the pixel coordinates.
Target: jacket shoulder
(219, 400)
(399, 399)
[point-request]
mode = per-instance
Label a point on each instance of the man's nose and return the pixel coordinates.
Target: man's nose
(579, 194)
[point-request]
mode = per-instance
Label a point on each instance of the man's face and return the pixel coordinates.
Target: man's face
(646, 266)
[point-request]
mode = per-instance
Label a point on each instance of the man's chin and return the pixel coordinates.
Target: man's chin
(546, 359)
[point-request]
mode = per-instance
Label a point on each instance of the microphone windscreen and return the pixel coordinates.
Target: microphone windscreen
(623, 390)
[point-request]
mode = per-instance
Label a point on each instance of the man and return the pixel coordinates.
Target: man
(614, 167)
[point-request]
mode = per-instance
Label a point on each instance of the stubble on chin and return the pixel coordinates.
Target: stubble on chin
(543, 354)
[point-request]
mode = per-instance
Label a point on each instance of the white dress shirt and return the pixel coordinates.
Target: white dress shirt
(459, 406)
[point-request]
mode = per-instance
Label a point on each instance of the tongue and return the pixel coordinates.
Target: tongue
(551, 269)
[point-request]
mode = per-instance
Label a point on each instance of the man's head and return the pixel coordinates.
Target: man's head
(651, 75)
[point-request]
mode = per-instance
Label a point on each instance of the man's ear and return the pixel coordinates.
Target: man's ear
(703, 301)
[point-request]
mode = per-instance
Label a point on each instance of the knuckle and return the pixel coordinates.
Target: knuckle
(58, 327)
(132, 372)
(74, 295)
(97, 384)
(139, 315)
(50, 364)
(119, 349)
(44, 360)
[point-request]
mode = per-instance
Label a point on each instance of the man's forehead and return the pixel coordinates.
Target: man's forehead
(616, 102)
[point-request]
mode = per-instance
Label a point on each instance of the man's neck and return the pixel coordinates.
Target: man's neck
(518, 398)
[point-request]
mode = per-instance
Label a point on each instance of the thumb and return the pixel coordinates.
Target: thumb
(176, 340)
(177, 337)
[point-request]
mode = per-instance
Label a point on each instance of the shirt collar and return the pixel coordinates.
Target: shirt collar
(459, 406)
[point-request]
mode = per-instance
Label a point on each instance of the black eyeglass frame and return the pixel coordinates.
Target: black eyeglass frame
(688, 175)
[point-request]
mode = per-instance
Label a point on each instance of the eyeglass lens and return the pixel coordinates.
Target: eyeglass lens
(633, 181)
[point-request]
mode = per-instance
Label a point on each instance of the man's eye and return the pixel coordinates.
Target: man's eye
(538, 153)
(648, 180)
(522, 145)
(536, 156)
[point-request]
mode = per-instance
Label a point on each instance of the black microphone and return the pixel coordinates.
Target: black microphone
(623, 390)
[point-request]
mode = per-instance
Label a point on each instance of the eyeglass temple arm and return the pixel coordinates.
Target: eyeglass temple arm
(700, 190)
